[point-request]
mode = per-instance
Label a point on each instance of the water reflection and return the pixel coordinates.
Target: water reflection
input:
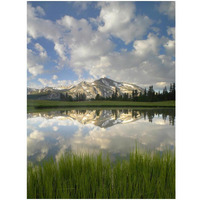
(111, 131)
(107, 118)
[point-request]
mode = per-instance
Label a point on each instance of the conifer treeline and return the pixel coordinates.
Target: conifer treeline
(148, 96)
(67, 97)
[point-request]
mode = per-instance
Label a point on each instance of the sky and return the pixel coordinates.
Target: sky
(68, 42)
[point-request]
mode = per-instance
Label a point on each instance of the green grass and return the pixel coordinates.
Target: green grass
(40, 104)
(85, 176)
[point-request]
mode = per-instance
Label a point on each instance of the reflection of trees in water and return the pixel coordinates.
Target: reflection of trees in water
(115, 114)
(171, 120)
(150, 114)
(163, 112)
(97, 112)
(135, 114)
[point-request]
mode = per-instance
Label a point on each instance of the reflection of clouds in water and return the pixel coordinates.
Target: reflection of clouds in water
(42, 154)
(36, 135)
(159, 122)
(46, 135)
(46, 123)
(37, 145)
(121, 139)
(94, 139)
(60, 134)
(55, 128)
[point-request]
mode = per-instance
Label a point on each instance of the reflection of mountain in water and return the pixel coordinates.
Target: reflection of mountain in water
(104, 118)
(101, 118)
(107, 118)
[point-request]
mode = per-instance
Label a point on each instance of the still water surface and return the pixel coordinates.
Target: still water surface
(87, 131)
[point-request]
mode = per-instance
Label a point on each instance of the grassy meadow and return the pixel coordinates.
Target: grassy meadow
(40, 104)
(87, 176)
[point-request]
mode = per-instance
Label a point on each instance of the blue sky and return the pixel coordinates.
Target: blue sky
(68, 42)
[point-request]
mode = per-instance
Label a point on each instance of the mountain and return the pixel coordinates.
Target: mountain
(103, 86)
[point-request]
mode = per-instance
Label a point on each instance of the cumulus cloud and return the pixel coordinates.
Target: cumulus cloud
(36, 69)
(54, 77)
(119, 19)
(39, 27)
(35, 61)
(170, 47)
(149, 46)
(167, 8)
(171, 31)
(45, 82)
(40, 11)
(41, 50)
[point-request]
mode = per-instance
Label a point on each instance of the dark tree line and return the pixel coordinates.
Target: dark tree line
(67, 97)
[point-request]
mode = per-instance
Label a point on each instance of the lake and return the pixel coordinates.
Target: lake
(112, 131)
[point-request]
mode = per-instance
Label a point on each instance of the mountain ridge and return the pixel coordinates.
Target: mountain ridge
(105, 87)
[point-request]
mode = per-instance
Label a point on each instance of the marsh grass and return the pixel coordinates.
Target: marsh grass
(143, 175)
(33, 105)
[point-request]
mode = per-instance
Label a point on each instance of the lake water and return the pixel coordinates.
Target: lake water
(115, 132)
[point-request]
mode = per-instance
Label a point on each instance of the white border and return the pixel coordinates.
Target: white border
(13, 99)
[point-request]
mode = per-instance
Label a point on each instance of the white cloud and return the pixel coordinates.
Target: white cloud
(41, 50)
(36, 70)
(171, 31)
(170, 47)
(40, 11)
(38, 27)
(45, 82)
(119, 20)
(149, 46)
(35, 63)
(54, 77)
(167, 8)
(60, 49)
(36, 59)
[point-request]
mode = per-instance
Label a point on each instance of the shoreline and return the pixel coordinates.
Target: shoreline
(48, 104)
